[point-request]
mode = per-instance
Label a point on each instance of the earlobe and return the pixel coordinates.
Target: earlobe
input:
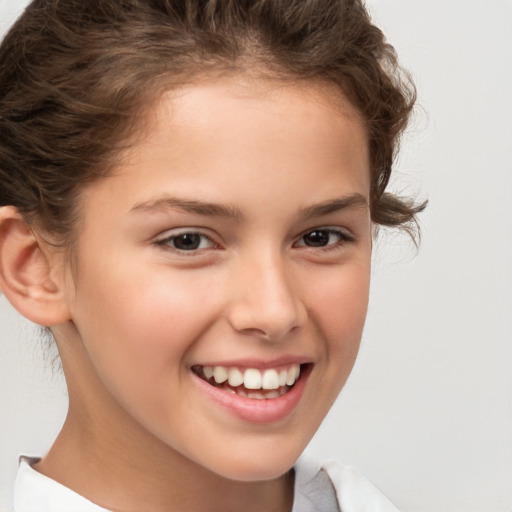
(26, 272)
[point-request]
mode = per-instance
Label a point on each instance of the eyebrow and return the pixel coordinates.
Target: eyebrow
(188, 205)
(220, 210)
(334, 205)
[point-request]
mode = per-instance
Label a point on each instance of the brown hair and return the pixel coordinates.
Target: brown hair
(75, 74)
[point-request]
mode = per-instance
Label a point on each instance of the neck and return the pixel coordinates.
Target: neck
(149, 475)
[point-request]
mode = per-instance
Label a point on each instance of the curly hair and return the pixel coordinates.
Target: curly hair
(76, 76)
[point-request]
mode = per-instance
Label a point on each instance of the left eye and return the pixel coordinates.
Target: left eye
(322, 238)
(187, 241)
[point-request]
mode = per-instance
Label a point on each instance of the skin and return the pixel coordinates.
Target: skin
(141, 313)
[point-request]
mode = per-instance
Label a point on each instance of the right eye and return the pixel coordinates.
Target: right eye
(188, 241)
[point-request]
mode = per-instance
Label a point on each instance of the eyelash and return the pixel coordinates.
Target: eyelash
(342, 238)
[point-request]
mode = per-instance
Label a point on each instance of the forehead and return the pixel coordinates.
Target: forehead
(254, 103)
(214, 138)
(238, 112)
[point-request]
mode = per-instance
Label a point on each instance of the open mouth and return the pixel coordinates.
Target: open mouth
(252, 382)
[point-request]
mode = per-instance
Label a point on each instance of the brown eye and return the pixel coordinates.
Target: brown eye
(324, 238)
(318, 238)
(188, 241)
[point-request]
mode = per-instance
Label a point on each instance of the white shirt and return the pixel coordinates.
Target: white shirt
(319, 487)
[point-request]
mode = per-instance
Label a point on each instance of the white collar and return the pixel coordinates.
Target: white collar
(34, 492)
(326, 485)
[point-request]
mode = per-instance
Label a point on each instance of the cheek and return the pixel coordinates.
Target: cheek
(137, 341)
(340, 304)
(339, 312)
(151, 322)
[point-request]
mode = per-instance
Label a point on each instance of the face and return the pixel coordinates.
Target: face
(222, 276)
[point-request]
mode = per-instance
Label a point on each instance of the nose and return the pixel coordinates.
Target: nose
(266, 303)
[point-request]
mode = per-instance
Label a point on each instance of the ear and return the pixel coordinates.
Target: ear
(27, 274)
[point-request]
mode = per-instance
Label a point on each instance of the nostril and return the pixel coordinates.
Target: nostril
(253, 331)
(270, 309)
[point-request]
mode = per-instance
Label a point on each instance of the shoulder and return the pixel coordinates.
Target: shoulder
(350, 490)
(34, 492)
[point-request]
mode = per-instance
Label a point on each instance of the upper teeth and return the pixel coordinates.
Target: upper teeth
(252, 378)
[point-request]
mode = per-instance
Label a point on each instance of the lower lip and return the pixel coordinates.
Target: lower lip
(268, 410)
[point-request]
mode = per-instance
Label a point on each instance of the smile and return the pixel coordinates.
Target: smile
(251, 382)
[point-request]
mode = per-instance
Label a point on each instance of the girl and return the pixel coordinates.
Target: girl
(189, 191)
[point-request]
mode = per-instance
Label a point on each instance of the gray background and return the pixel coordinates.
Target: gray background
(427, 414)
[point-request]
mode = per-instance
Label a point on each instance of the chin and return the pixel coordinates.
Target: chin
(249, 468)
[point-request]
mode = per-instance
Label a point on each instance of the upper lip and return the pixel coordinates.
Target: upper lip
(258, 363)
